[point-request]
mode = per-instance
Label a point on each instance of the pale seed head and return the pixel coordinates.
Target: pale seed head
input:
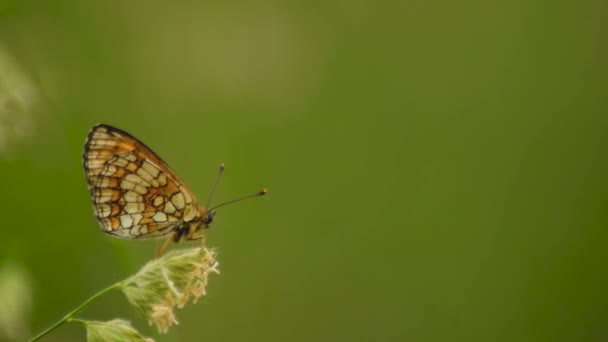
(170, 281)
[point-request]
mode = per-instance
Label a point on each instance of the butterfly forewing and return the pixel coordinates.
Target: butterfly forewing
(135, 193)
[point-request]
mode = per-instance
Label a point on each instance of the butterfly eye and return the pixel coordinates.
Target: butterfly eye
(208, 218)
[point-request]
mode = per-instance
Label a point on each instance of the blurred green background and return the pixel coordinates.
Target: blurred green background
(437, 169)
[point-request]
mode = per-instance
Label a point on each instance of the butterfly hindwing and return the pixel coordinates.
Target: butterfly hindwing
(135, 194)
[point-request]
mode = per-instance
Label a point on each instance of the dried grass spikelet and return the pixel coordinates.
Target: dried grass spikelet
(168, 282)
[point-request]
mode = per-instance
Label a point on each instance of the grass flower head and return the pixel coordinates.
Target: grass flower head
(168, 282)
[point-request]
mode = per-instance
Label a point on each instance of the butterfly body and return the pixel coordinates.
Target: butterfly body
(135, 194)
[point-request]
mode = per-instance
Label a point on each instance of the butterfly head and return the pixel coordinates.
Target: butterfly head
(208, 218)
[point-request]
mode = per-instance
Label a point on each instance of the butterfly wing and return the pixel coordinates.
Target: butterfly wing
(135, 193)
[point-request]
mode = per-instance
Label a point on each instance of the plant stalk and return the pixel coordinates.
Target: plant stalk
(70, 315)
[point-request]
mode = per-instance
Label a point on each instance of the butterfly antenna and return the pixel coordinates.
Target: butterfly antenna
(217, 181)
(257, 194)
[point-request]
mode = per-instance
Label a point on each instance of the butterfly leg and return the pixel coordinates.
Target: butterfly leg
(160, 251)
(191, 234)
(195, 238)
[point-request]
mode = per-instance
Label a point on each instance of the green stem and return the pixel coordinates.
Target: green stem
(69, 316)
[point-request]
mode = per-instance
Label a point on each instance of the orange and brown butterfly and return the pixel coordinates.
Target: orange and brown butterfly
(135, 194)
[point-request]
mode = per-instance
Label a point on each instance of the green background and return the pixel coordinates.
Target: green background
(437, 169)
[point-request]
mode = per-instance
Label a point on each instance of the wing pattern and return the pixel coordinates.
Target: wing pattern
(135, 193)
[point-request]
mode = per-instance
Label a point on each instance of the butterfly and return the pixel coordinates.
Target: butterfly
(136, 195)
